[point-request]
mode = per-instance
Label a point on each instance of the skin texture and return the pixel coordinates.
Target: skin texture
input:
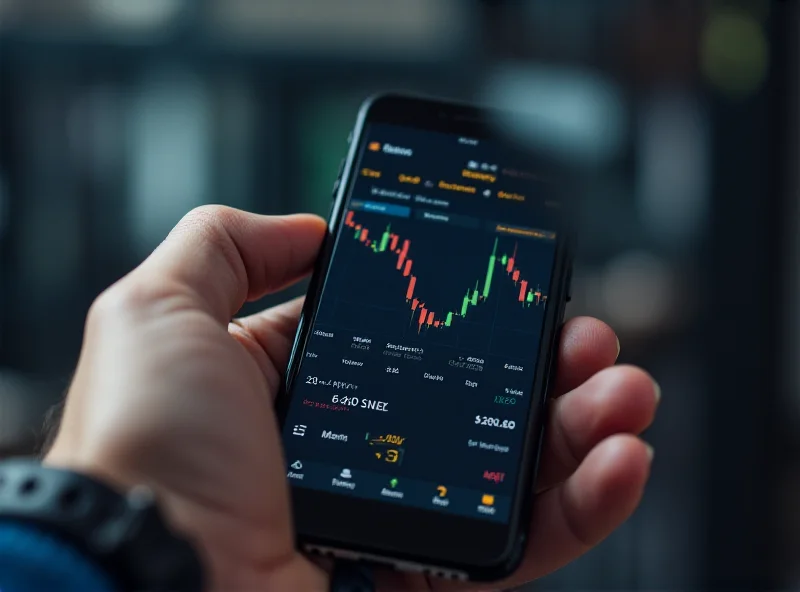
(169, 392)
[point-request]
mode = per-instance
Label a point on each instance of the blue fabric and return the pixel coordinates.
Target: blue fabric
(32, 561)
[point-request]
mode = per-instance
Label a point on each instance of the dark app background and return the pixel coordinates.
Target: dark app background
(419, 409)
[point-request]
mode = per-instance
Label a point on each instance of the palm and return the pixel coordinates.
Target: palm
(202, 402)
(228, 449)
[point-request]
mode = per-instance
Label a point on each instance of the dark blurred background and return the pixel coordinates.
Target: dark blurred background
(676, 119)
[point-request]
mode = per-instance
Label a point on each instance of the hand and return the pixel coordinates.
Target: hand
(169, 393)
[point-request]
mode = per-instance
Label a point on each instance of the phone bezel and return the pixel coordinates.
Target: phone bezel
(406, 536)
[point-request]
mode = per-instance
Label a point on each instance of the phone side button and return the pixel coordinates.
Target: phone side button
(569, 287)
(335, 188)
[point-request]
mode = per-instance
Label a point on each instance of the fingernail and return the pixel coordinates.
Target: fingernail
(650, 452)
(618, 347)
(657, 391)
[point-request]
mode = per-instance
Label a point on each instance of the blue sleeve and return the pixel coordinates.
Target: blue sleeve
(31, 561)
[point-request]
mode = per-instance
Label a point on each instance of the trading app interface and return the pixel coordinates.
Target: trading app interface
(415, 384)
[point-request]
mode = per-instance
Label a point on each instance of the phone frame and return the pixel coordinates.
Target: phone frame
(407, 538)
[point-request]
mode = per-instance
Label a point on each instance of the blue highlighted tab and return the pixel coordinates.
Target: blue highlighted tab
(381, 208)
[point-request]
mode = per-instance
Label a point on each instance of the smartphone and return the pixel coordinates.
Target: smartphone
(414, 403)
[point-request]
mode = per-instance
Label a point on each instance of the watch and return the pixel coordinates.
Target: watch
(124, 534)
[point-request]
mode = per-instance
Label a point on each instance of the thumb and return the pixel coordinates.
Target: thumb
(220, 257)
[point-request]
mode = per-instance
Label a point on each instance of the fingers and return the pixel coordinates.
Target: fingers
(570, 519)
(618, 400)
(587, 346)
(602, 493)
(268, 336)
(221, 257)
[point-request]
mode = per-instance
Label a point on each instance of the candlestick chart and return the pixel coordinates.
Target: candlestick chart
(438, 284)
(423, 315)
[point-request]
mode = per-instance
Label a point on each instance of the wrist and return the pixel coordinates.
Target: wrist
(66, 457)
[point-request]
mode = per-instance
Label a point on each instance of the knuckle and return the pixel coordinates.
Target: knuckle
(210, 220)
(216, 225)
(108, 304)
(141, 291)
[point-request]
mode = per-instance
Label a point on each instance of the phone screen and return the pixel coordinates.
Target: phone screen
(415, 384)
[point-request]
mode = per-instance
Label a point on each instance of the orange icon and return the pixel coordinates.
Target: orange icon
(487, 500)
(374, 146)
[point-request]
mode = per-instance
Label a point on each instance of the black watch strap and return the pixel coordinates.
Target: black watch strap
(125, 534)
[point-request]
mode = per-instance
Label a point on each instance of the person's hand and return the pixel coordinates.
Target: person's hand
(169, 392)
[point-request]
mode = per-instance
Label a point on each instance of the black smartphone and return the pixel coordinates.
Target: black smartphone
(414, 403)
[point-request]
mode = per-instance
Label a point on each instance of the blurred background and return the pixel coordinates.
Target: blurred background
(676, 119)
